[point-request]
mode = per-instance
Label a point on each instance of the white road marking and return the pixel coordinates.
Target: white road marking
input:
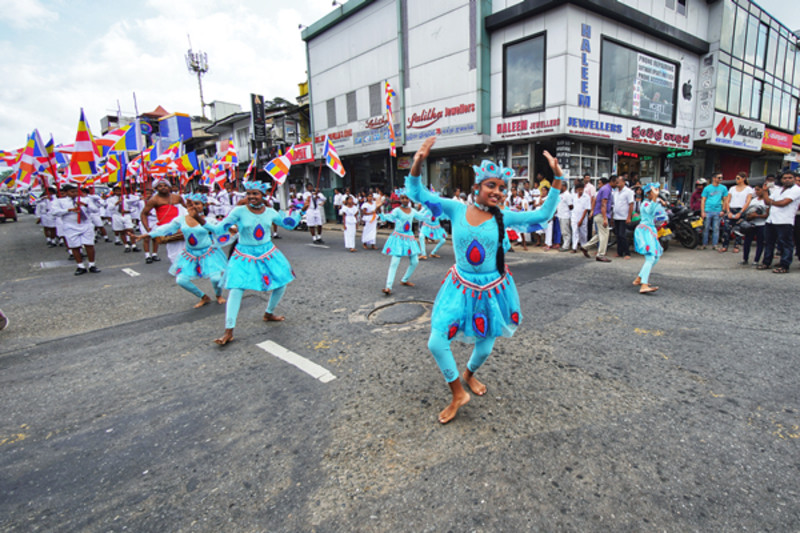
(312, 369)
(131, 272)
(318, 245)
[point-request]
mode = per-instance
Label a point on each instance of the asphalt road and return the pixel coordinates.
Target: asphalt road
(607, 411)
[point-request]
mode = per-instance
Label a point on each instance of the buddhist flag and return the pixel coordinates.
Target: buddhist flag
(83, 163)
(230, 157)
(251, 166)
(187, 162)
(332, 158)
(27, 163)
(168, 155)
(279, 167)
(390, 118)
(129, 141)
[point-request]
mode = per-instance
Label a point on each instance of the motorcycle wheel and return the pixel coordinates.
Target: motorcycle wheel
(664, 244)
(688, 237)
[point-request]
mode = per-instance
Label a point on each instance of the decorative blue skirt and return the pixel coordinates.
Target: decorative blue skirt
(258, 268)
(199, 263)
(433, 232)
(645, 240)
(401, 245)
(476, 306)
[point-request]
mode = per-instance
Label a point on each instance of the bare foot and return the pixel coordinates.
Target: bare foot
(221, 300)
(373, 247)
(474, 385)
(226, 338)
(205, 300)
(407, 283)
(365, 246)
(637, 281)
(387, 291)
(423, 257)
(269, 317)
(647, 288)
(436, 256)
(449, 412)
(352, 249)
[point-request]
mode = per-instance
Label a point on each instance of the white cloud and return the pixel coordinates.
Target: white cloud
(251, 47)
(26, 14)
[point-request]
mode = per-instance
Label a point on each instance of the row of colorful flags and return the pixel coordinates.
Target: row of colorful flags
(105, 159)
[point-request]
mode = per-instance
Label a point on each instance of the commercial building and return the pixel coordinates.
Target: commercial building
(670, 89)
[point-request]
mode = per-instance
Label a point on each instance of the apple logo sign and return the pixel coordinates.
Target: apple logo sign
(687, 90)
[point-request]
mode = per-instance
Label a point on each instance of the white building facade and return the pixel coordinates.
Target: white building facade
(609, 86)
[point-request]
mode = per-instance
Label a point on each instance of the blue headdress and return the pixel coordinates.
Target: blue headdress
(490, 169)
(255, 186)
(647, 186)
(400, 192)
(197, 197)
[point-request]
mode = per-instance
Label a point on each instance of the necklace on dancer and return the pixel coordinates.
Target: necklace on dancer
(481, 206)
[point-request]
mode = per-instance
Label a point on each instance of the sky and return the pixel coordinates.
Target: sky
(61, 55)
(64, 55)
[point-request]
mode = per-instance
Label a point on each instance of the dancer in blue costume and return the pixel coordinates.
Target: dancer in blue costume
(645, 236)
(478, 301)
(256, 263)
(401, 242)
(431, 228)
(201, 258)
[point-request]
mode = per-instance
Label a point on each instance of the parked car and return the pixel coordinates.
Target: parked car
(7, 209)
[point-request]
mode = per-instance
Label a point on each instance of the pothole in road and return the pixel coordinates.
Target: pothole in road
(409, 312)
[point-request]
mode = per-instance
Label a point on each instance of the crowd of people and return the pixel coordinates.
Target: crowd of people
(478, 300)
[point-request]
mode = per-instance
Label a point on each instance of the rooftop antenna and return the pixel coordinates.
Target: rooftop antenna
(197, 63)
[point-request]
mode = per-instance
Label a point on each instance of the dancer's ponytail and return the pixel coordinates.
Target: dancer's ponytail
(501, 232)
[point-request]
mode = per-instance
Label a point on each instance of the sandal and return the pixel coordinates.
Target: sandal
(779, 270)
(762, 267)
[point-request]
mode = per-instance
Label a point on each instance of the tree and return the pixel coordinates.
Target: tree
(276, 103)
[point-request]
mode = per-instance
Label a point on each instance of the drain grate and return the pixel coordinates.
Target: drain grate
(400, 313)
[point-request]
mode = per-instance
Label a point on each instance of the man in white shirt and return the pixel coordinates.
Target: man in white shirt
(563, 212)
(121, 223)
(314, 201)
(338, 201)
(581, 206)
(623, 211)
(77, 227)
(782, 202)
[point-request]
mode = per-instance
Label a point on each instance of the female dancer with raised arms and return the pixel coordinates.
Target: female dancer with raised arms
(201, 258)
(478, 300)
(645, 236)
(256, 263)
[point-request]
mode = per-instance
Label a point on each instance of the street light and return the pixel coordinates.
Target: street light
(197, 63)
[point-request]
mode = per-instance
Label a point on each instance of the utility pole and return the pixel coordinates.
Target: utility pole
(197, 63)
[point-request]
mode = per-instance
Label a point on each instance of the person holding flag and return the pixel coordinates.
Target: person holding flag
(77, 227)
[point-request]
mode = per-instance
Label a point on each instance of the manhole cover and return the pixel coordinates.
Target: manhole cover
(397, 313)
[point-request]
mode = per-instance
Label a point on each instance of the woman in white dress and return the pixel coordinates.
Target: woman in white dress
(349, 215)
(369, 214)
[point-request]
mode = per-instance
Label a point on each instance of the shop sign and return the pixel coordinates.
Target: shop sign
(679, 153)
(797, 132)
(595, 125)
(404, 162)
(376, 123)
(563, 148)
(632, 155)
(736, 132)
(776, 141)
(440, 132)
(649, 135)
(303, 153)
(584, 99)
(523, 127)
(431, 116)
(335, 136)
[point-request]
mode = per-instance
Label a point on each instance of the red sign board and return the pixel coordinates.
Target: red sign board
(777, 141)
(303, 153)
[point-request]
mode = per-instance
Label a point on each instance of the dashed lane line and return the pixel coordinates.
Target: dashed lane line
(312, 369)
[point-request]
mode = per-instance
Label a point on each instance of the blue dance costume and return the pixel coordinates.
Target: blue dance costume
(645, 237)
(401, 243)
(475, 303)
(256, 263)
(200, 258)
(431, 228)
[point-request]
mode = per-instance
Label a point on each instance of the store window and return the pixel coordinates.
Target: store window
(523, 75)
(330, 106)
(636, 84)
(375, 108)
(352, 114)
(589, 158)
(520, 160)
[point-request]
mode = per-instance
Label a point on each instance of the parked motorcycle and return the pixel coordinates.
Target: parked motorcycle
(685, 225)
